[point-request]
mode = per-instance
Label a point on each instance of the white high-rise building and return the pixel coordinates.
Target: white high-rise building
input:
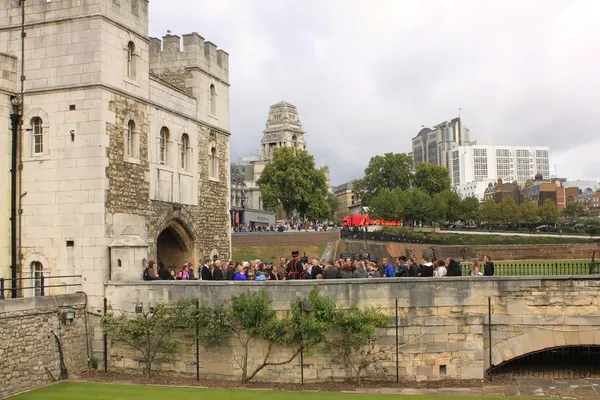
(434, 145)
(472, 167)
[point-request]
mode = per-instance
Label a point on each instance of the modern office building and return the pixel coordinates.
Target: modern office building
(434, 145)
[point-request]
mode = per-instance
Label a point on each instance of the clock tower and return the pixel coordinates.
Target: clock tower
(283, 129)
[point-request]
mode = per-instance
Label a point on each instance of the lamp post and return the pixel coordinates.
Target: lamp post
(243, 200)
(15, 119)
(307, 308)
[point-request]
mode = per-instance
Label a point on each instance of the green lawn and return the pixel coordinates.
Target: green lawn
(94, 391)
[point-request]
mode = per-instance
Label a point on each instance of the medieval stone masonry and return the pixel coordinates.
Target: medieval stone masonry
(125, 142)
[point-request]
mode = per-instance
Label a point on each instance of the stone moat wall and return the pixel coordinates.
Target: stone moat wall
(442, 324)
(30, 332)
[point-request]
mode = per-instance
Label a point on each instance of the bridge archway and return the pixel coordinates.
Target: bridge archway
(175, 245)
(574, 353)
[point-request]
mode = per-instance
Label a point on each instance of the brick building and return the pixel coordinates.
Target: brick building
(125, 141)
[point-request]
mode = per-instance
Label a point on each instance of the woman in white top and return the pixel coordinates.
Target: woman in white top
(441, 269)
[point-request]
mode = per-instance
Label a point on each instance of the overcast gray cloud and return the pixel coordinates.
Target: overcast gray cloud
(366, 74)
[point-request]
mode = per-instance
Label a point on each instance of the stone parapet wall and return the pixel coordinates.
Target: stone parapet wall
(29, 351)
(442, 323)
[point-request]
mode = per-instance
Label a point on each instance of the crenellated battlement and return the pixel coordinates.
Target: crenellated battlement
(196, 52)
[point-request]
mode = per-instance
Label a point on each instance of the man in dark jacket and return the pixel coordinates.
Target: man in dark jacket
(205, 274)
(163, 272)
(330, 272)
(191, 273)
(413, 268)
(217, 274)
(316, 269)
(295, 269)
(454, 268)
(230, 275)
(426, 268)
(488, 270)
(401, 270)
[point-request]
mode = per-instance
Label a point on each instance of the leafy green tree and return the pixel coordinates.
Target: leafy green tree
(490, 212)
(150, 332)
(419, 207)
(528, 211)
(451, 204)
(573, 211)
(548, 212)
(509, 211)
(431, 178)
(212, 323)
(470, 210)
(389, 205)
(253, 319)
(390, 171)
(291, 182)
(356, 345)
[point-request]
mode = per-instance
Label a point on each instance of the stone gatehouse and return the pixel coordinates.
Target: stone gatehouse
(443, 323)
(125, 142)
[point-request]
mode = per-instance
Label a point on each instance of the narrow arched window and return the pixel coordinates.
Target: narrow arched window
(213, 165)
(130, 140)
(38, 135)
(163, 143)
(213, 100)
(36, 277)
(185, 148)
(130, 60)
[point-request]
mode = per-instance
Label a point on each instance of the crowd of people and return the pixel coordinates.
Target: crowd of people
(297, 268)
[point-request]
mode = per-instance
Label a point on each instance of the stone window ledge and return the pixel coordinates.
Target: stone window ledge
(132, 160)
(186, 173)
(131, 82)
(213, 116)
(166, 168)
(37, 157)
(211, 179)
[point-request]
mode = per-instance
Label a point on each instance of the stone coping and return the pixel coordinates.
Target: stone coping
(364, 281)
(46, 303)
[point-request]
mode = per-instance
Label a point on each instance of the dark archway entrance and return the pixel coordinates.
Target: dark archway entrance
(175, 246)
(568, 362)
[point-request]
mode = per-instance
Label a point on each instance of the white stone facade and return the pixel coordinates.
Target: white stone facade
(123, 136)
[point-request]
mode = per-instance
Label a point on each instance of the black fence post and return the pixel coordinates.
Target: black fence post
(301, 359)
(105, 341)
(42, 284)
(397, 346)
(1, 288)
(490, 336)
(197, 341)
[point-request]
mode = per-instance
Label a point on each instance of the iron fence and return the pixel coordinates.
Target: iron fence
(535, 268)
(38, 284)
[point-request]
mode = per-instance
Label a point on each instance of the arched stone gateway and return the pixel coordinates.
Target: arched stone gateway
(538, 341)
(175, 245)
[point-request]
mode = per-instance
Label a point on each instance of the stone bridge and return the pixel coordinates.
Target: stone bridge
(443, 323)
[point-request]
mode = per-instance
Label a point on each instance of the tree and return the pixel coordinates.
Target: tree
(573, 211)
(291, 181)
(212, 323)
(356, 346)
(390, 171)
(450, 203)
(419, 207)
(528, 211)
(548, 212)
(470, 210)
(151, 331)
(389, 205)
(431, 178)
(508, 210)
(254, 319)
(490, 212)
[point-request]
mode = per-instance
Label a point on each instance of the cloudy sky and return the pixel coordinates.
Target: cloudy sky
(366, 74)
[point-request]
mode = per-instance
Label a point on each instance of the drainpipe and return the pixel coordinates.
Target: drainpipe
(15, 119)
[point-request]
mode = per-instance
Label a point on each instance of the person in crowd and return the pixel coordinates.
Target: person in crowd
(172, 275)
(454, 268)
(330, 272)
(426, 268)
(191, 272)
(163, 272)
(150, 272)
(488, 269)
(346, 272)
(320, 276)
(361, 272)
(230, 274)
(294, 269)
(413, 268)
(388, 270)
(217, 273)
(401, 270)
(205, 273)
(475, 269)
(239, 274)
(375, 271)
(440, 269)
(250, 275)
(183, 274)
(316, 269)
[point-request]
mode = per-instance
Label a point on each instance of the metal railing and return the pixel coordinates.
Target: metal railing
(535, 268)
(39, 284)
